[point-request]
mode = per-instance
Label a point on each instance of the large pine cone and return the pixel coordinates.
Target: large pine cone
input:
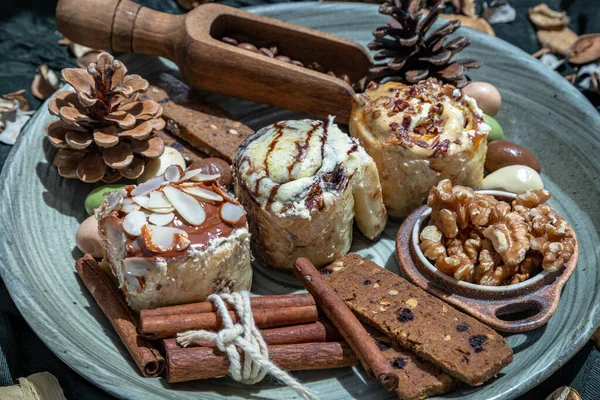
(407, 52)
(104, 131)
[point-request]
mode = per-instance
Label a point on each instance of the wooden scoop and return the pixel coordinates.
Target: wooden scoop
(192, 41)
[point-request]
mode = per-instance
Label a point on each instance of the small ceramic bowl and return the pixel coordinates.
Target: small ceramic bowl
(512, 308)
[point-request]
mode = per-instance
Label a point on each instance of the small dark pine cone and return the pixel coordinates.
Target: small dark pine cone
(406, 52)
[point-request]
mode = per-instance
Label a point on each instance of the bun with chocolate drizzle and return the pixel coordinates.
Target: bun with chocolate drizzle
(303, 183)
(419, 135)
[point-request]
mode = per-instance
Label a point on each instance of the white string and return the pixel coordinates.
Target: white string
(246, 336)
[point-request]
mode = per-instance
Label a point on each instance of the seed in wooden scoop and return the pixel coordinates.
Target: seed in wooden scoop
(248, 46)
(161, 219)
(173, 173)
(231, 213)
(202, 193)
(148, 186)
(187, 206)
(138, 266)
(133, 222)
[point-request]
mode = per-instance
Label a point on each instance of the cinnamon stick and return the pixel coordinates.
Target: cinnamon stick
(164, 326)
(256, 302)
(191, 363)
(112, 303)
(347, 324)
(317, 332)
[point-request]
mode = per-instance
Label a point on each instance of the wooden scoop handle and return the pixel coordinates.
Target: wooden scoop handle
(120, 26)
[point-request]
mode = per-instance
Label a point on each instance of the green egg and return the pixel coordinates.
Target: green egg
(98, 195)
(496, 133)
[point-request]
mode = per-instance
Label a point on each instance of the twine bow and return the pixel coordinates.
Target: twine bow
(243, 335)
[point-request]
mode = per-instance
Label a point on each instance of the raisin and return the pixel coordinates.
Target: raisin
(382, 346)
(398, 363)
(477, 342)
(325, 271)
(462, 327)
(366, 282)
(405, 315)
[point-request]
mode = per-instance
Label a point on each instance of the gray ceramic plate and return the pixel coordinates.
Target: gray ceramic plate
(40, 213)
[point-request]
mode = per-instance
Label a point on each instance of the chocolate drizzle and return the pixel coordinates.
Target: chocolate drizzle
(302, 148)
(279, 126)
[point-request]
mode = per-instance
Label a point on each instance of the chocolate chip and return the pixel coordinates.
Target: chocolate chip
(398, 363)
(477, 342)
(366, 282)
(229, 40)
(462, 327)
(325, 271)
(382, 346)
(405, 315)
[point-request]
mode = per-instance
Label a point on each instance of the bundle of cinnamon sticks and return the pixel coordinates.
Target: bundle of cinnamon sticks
(289, 324)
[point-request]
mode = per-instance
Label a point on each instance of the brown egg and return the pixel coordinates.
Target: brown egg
(212, 166)
(486, 95)
(87, 238)
(502, 153)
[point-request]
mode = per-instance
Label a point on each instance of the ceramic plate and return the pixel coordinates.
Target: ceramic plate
(40, 213)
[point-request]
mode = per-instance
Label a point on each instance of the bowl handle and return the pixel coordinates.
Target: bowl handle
(525, 313)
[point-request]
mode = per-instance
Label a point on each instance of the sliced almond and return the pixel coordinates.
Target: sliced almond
(133, 222)
(188, 207)
(138, 266)
(202, 193)
(163, 238)
(148, 186)
(141, 200)
(173, 173)
(163, 210)
(200, 177)
(161, 219)
(231, 213)
(223, 192)
(128, 205)
(158, 200)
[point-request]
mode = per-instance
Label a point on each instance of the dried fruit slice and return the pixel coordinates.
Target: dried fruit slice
(187, 206)
(133, 223)
(586, 49)
(138, 266)
(202, 193)
(163, 238)
(231, 213)
(148, 186)
(163, 210)
(161, 219)
(543, 17)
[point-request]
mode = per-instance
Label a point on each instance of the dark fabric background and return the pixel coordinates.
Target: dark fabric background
(28, 38)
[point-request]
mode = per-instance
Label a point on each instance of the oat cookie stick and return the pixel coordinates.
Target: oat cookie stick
(460, 345)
